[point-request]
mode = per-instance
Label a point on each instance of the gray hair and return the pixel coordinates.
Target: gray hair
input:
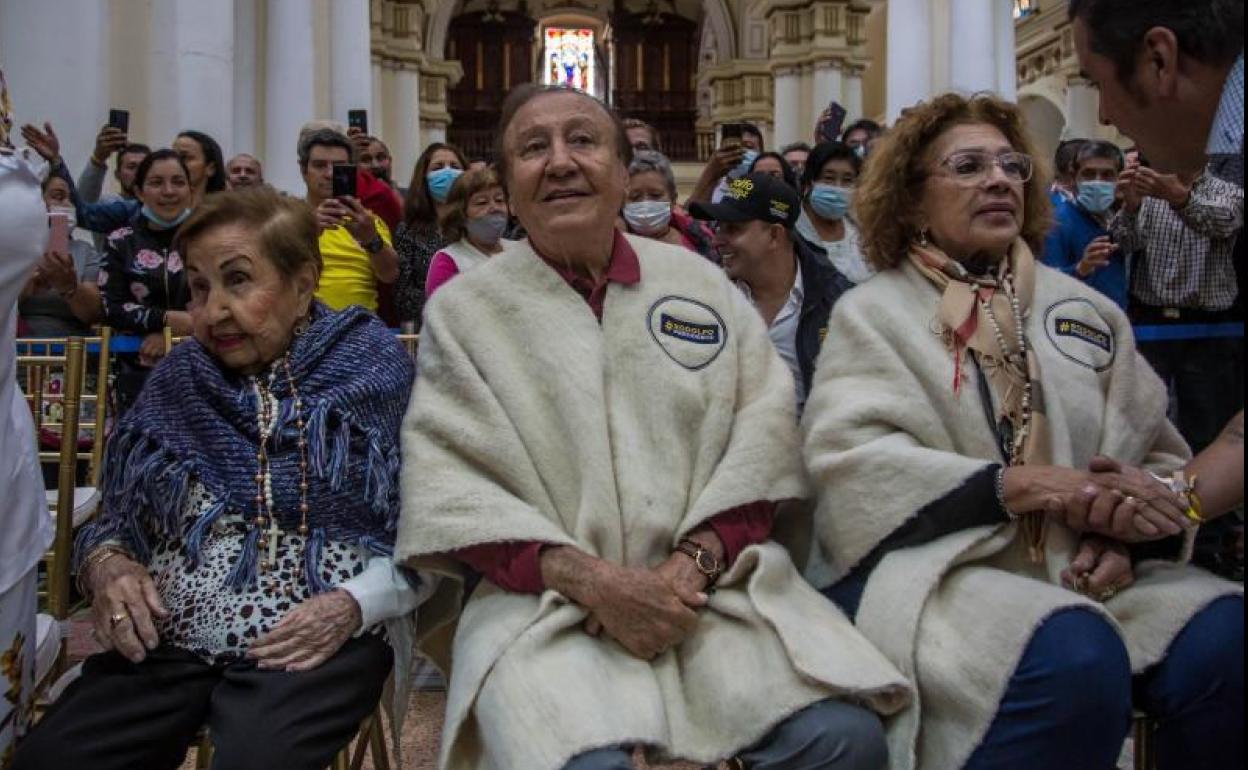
(649, 160)
(323, 137)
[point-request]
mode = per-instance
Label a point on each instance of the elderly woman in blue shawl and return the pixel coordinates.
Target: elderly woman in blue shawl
(240, 569)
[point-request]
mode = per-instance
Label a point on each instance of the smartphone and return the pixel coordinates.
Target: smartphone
(344, 180)
(829, 129)
(731, 135)
(358, 119)
(119, 119)
(58, 237)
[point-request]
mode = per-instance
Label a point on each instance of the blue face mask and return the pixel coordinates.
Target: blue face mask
(440, 182)
(1096, 197)
(161, 222)
(829, 201)
(743, 167)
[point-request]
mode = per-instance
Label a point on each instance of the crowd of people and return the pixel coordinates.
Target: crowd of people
(871, 453)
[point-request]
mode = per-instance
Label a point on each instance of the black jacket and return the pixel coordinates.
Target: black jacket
(822, 286)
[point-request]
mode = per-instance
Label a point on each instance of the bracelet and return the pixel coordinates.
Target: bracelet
(1184, 487)
(93, 562)
(1000, 487)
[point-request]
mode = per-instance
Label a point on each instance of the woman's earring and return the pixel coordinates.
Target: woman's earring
(922, 240)
(301, 326)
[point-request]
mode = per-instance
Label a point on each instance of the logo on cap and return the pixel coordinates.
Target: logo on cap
(740, 188)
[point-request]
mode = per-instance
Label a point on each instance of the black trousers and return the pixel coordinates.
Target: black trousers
(124, 716)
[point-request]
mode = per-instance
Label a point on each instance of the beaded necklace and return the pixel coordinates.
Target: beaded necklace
(1018, 358)
(1034, 525)
(266, 419)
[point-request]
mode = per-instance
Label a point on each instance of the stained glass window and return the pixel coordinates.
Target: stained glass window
(570, 58)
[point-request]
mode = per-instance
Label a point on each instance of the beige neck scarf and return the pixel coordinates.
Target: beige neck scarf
(984, 314)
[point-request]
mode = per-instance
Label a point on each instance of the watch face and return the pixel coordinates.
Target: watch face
(706, 562)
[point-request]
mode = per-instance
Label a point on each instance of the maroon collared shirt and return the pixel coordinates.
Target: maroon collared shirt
(517, 566)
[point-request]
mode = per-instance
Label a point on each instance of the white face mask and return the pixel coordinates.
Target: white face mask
(68, 212)
(648, 217)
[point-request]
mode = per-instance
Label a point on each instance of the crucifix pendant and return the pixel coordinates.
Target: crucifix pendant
(273, 534)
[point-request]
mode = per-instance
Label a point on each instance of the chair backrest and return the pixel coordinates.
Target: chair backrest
(95, 402)
(68, 356)
(411, 342)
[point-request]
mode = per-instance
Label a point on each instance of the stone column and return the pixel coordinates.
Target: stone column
(246, 70)
(828, 87)
(1007, 59)
(909, 57)
(290, 96)
(350, 58)
(972, 46)
(787, 105)
(191, 70)
(853, 95)
(55, 59)
(406, 144)
(806, 109)
(377, 118)
(1082, 110)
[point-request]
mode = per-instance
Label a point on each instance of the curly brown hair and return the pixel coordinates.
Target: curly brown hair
(888, 195)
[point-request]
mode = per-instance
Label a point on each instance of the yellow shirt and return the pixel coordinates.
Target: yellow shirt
(347, 276)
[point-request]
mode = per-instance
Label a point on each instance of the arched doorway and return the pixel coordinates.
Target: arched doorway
(1045, 121)
(645, 60)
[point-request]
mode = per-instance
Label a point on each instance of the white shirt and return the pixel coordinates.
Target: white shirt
(25, 524)
(846, 254)
(783, 332)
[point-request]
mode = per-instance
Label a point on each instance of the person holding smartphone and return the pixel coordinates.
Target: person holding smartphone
(740, 146)
(355, 243)
(61, 298)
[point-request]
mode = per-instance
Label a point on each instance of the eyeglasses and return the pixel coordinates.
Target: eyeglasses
(973, 166)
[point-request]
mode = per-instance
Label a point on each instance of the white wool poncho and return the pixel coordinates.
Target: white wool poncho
(886, 435)
(531, 421)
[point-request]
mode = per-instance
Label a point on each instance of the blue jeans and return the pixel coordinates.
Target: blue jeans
(829, 735)
(1068, 704)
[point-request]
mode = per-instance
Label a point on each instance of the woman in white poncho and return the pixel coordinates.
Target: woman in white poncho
(601, 428)
(979, 430)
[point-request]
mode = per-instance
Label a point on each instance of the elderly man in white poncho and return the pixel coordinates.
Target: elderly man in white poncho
(601, 428)
(981, 429)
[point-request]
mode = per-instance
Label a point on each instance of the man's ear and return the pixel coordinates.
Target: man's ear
(1161, 52)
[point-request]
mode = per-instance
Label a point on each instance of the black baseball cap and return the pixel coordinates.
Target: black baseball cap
(753, 196)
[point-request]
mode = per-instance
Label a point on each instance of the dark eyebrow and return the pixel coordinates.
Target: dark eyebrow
(232, 260)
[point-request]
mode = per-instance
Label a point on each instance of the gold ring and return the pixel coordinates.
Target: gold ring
(1107, 594)
(117, 618)
(1129, 500)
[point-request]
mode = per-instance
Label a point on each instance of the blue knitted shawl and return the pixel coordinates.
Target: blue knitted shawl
(197, 420)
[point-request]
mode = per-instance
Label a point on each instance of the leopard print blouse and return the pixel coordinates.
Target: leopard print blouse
(213, 621)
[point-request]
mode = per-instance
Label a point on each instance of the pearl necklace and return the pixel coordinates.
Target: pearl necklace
(1035, 524)
(267, 405)
(1018, 358)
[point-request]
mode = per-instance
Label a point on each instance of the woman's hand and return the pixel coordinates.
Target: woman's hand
(59, 272)
(309, 634)
(125, 601)
(1100, 569)
(44, 142)
(152, 349)
(1153, 511)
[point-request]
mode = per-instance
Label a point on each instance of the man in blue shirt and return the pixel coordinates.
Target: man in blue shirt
(1080, 243)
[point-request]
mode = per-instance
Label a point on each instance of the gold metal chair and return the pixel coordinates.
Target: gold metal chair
(40, 362)
(411, 342)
